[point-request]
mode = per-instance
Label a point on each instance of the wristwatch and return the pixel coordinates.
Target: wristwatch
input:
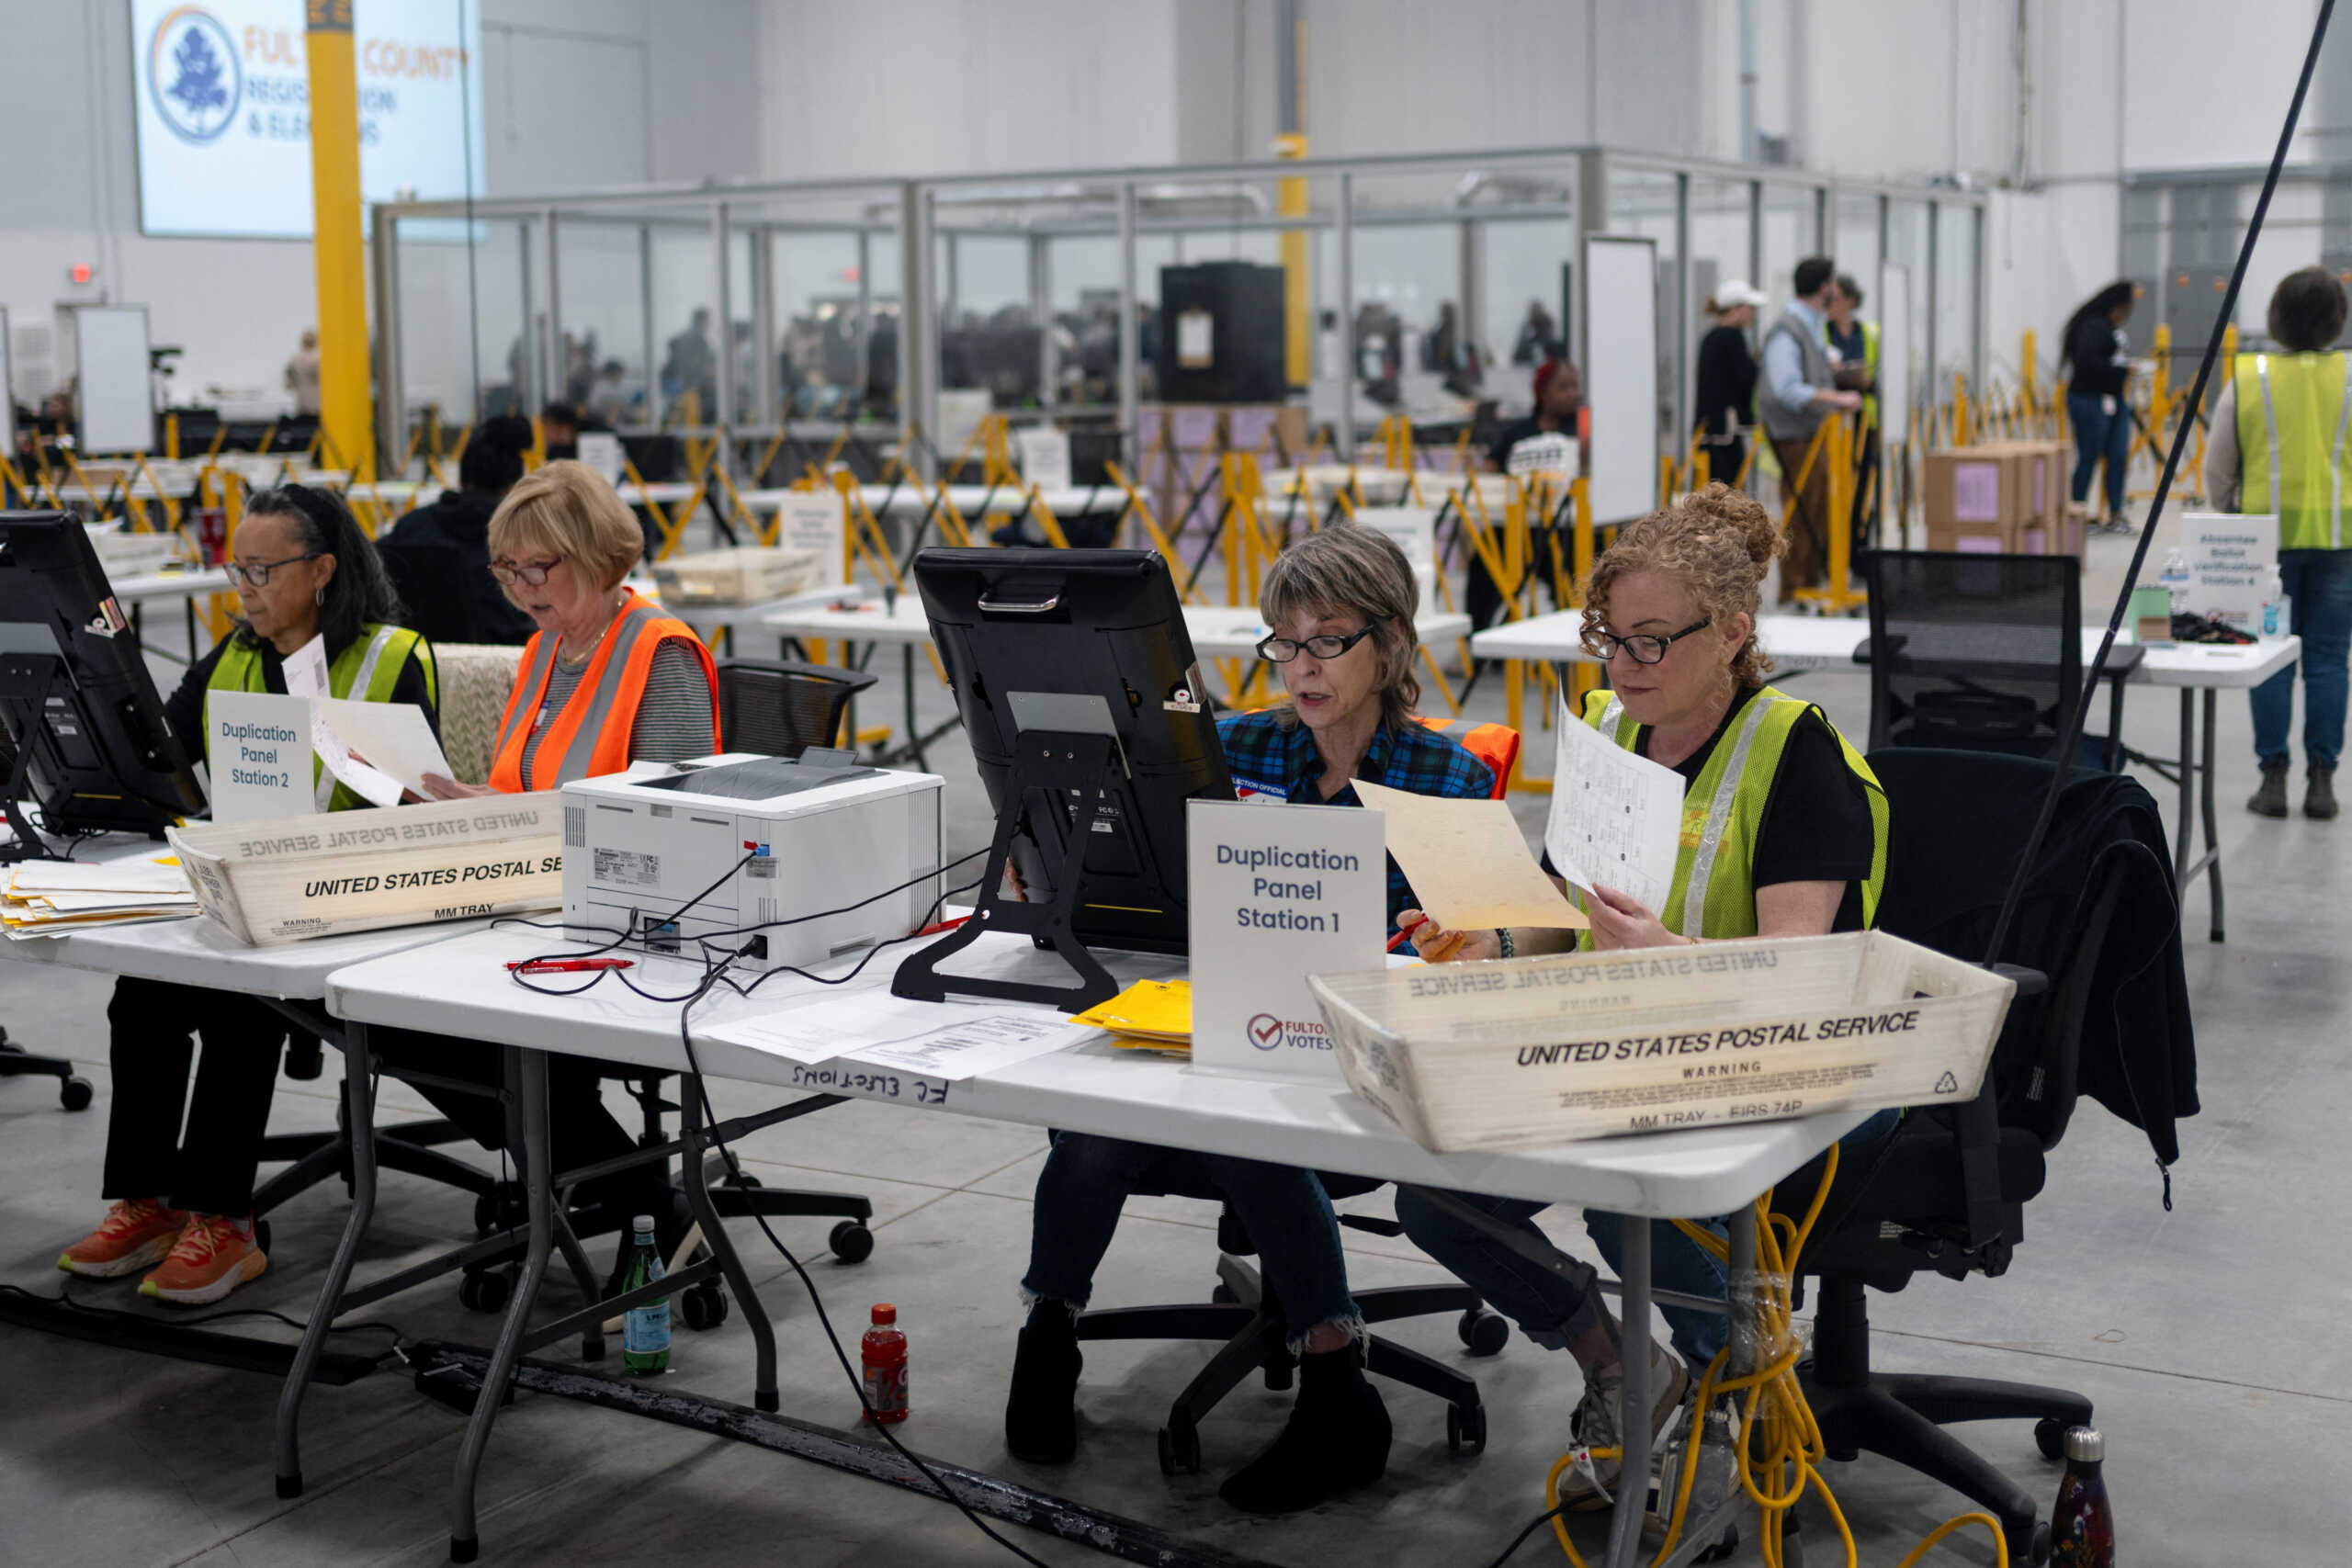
(1510, 948)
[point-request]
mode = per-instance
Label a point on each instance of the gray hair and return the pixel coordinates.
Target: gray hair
(1347, 570)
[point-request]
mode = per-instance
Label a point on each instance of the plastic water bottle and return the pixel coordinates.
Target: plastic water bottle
(884, 1351)
(2274, 599)
(645, 1329)
(2174, 577)
(2082, 1522)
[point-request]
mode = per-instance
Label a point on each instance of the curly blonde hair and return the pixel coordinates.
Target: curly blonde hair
(1716, 542)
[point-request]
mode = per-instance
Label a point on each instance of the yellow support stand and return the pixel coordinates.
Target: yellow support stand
(1837, 595)
(1298, 276)
(346, 403)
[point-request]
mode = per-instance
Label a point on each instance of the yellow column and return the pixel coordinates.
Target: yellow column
(337, 246)
(1299, 281)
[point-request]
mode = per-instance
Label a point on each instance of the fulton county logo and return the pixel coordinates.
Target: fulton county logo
(193, 73)
(1270, 1033)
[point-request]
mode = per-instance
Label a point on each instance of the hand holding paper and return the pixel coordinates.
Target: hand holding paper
(1467, 863)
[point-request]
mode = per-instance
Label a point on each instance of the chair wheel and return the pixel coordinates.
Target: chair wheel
(2037, 1549)
(1466, 1429)
(74, 1094)
(2050, 1437)
(1221, 1294)
(850, 1242)
(703, 1306)
(1483, 1332)
(1721, 1552)
(738, 1178)
(486, 1292)
(1180, 1450)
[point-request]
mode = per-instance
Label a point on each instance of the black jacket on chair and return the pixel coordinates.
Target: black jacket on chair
(2139, 1053)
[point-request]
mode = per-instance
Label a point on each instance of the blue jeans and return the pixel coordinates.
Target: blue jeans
(2098, 434)
(2319, 585)
(1549, 1309)
(1086, 1182)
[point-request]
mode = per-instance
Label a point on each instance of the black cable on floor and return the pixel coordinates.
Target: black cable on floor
(64, 1298)
(1537, 1523)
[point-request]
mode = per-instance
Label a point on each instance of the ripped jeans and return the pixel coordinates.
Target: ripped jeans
(1085, 1184)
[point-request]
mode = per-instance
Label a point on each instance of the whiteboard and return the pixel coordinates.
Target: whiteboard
(1894, 356)
(1619, 337)
(117, 412)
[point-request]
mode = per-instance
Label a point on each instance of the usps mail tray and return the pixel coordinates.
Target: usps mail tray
(1528, 1051)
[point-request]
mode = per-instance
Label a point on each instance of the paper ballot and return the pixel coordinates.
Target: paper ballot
(1467, 862)
(306, 670)
(1616, 817)
(394, 739)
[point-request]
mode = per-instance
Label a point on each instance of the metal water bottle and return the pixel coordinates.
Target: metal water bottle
(2082, 1523)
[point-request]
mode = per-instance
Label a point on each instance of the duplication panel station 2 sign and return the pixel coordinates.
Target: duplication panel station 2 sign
(1277, 895)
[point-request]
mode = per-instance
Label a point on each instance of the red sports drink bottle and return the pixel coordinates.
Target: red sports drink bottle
(884, 1351)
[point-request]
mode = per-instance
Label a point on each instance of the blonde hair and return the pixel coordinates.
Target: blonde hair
(1718, 543)
(1346, 569)
(568, 510)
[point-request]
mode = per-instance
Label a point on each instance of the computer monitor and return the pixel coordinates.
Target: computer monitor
(91, 746)
(1092, 728)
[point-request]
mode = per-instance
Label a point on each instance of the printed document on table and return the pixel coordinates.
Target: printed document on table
(1468, 862)
(1616, 817)
(970, 1046)
(863, 1021)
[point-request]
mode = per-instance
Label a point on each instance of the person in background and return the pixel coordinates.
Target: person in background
(611, 402)
(489, 467)
(559, 431)
(2278, 445)
(1802, 852)
(179, 1169)
(1539, 337)
(1853, 349)
(2099, 367)
(561, 545)
(1800, 390)
(692, 365)
(1727, 378)
(1341, 607)
(1559, 411)
(302, 375)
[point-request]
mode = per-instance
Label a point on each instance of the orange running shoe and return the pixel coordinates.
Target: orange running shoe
(213, 1256)
(138, 1233)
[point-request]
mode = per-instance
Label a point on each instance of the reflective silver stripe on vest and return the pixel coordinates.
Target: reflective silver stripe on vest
(577, 756)
(1610, 717)
(2271, 429)
(538, 663)
(1702, 862)
(2336, 463)
(376, 645)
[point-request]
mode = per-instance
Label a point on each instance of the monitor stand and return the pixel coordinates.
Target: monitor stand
(1054, 762)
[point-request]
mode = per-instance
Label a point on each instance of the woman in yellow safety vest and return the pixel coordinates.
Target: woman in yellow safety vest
(182, 1194)
(2278, 446)
(1783, 834)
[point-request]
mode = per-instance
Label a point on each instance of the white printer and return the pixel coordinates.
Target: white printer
(760, 840)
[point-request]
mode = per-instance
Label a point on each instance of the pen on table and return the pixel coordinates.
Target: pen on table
(1403, 931)
(568, 965)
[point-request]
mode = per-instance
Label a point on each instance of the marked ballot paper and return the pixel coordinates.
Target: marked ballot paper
(1616, 817)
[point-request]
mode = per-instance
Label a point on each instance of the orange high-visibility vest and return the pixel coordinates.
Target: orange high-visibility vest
(589, 736)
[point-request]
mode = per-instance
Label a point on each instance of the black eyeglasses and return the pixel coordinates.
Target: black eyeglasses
(257, 572)
(1282, 649)
(1646, 648)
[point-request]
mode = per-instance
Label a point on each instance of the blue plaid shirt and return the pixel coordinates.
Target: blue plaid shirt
(1267, 756)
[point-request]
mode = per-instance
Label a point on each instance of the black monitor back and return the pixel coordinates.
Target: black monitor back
(1034, 628)
(1974, 652)
(77, 701)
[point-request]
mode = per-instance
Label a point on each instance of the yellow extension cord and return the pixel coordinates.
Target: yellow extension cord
(1774, 1403)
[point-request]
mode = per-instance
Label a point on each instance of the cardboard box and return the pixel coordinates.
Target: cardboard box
(1974, 490)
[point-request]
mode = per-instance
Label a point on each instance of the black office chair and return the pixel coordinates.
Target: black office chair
(1243, 1313)
(779, 708)
(430, 578)
(1974, 652)
(1948, 1190)
(73, 1092)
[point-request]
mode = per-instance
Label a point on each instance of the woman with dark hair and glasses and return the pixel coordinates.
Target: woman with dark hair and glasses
(182, 1195)
(1784, 834)
(1339, 606)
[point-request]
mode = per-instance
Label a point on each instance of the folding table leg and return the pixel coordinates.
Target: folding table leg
(714, 1237)
(359, 1100)
(2180, 840)
(1633, 1398)
(2212, 825)
(528, 1071)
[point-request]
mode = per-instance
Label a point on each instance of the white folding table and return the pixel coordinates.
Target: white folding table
(1818, 642)
(462, 987)
(163, 587)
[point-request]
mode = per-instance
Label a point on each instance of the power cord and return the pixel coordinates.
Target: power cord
(66, 1297)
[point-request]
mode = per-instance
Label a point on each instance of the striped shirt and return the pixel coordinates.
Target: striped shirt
(673, 720)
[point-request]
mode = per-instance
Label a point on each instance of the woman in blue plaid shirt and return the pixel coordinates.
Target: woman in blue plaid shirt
(1340, 605)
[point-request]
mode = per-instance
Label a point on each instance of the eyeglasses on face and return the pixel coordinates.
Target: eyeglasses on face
(1645, 647)
(1283, 650)
(531, 574)
(257, 572)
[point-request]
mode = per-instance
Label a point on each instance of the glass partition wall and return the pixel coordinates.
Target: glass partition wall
(779, 327)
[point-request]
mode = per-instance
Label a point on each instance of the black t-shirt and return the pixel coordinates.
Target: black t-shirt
(1727, 389)
(2097, 353)
(184, 709)
(1818, 823)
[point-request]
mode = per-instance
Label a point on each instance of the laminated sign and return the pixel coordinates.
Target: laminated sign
(267, 883)
(1528, 1052)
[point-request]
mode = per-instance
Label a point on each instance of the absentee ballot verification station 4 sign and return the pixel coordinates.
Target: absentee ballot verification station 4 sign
(221, 91)
(1277, 895)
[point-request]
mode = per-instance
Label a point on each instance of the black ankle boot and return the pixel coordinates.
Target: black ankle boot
(1337, 1438)
(1041, 1411)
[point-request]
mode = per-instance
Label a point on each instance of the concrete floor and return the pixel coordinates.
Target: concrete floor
(2206, 1335)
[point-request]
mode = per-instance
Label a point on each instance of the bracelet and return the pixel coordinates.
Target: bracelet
(1510, 948)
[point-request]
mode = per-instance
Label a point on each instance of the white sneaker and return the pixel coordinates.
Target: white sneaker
(1595, 1425)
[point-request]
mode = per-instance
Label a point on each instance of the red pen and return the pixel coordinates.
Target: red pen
(1403, 931)
(568, 965)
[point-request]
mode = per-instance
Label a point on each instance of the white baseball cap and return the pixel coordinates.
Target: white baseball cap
(1738, 291)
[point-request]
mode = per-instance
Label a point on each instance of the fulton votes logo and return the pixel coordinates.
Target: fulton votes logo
(193, 74)
(1270, 1033)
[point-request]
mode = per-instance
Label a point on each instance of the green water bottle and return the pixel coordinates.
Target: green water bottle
(645, 1328)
